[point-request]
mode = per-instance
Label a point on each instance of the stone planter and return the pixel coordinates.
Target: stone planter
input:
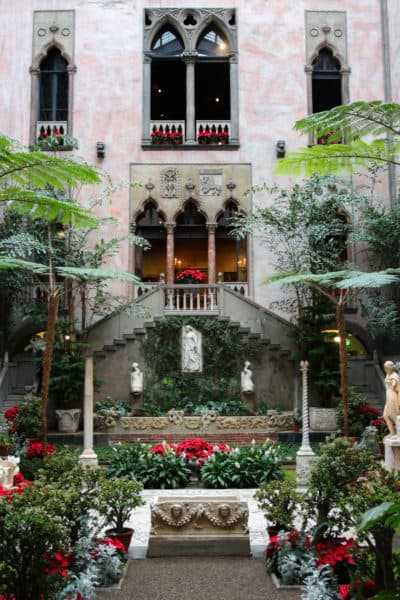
(322, 419)
(68, 420)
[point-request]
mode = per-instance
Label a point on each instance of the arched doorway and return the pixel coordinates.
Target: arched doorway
(150, 225)
(191, 245)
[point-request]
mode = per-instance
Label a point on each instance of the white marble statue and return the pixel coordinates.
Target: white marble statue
(136, 379)
(8, 468)
(192, 361)
(392, 406)
(246, 378)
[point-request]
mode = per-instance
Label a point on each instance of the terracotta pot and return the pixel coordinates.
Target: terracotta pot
(123, 535)
(5, 449)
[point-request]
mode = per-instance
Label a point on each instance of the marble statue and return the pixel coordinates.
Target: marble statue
(246, 378)
(136, 379)
(392, 406)
(8, 468)
(191, 350)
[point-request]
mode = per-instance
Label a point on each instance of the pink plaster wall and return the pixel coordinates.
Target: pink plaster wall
(108, 83)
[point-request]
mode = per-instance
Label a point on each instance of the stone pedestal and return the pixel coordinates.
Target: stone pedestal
(199, 526)
(8, 468)
(392, 453)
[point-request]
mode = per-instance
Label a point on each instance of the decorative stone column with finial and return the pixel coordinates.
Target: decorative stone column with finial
(305, 455)
(88, 458)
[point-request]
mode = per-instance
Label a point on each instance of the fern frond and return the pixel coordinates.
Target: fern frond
(96, 274)
(7, 262)
(40, 204)
(354, 120)
(337, 158)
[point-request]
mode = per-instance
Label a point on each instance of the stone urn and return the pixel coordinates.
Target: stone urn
(68, 420)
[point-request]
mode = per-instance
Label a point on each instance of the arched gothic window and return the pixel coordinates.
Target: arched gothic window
(150, 225)
(190, 79)
(326, 81)
(53, 87)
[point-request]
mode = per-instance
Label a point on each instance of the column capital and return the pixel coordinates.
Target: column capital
(211, 227)
(169, 227)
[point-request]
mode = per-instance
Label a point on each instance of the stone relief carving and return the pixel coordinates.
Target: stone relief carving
(326, 28)
(208, 420)
(170, 183)
(8, 468)
(53, 26)
(211, 183)
(199, 515)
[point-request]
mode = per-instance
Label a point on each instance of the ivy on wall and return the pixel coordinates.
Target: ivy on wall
(218, 387)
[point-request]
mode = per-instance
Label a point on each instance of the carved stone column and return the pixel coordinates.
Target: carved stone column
(309, 71)
(190, 59)
(170, 252)
(305, 455)
(211, 252)
(35, 72)
(88, 457)
(71, 70)
(146, 99)
(234, 89)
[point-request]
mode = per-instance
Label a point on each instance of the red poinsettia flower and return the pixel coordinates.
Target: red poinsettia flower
(190, 276)
(11, 413)
(35, 449)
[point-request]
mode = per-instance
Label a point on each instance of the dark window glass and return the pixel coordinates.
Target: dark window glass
(167, 43)
(53, 90)
(326, 81)
(212, 43)
(168, 90)
(212, 91)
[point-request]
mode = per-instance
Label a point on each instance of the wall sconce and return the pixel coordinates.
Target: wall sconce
(101, 149)
(280, 149)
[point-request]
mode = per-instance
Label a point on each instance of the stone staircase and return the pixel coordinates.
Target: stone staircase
(251, 320)
(115, 340)
(367, 378)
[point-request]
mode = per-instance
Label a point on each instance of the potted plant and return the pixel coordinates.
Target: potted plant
(190, 276)
(157, 136)
(297, 421)
(279, 501)
(116, 498)
(5, 444)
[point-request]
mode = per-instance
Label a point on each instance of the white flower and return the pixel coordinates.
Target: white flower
(237, 465)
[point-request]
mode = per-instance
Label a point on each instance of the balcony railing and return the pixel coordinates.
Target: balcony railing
(50, 131)
(213, 132)
(191, 298)
(167, 132)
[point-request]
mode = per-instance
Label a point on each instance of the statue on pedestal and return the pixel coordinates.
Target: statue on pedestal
(392, 406)
(136, 379)
(246, 378)
(191, 350)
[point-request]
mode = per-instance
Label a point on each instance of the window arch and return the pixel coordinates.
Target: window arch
(212, 43)
(326, 81)
(167, 43)
(53, 87)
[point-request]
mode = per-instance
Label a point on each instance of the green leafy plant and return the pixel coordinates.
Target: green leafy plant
(338, 464)
(242, 467)
(116, 498)
(279, 502)
(104, 407)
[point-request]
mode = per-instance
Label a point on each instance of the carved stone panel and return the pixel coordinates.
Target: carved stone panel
(325, 27)
(211, 182)
(53, 26)
(170, 183)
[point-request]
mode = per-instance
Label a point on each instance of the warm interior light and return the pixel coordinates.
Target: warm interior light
(67, 337)
(217, 99)
(222, 45)
(159, 91)
(337, 339)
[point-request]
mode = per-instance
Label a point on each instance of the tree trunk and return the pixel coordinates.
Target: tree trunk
(47, 356)
(384, 576)
(341, 324)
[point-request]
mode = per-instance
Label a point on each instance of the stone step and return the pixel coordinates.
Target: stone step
(109, 348)
(119, 342)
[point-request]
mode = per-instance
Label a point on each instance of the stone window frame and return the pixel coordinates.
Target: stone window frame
(34, 71)
(224, 19)
(323, 24)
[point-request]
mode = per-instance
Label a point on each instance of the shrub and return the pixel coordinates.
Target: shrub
(279, 501)
(338, 464)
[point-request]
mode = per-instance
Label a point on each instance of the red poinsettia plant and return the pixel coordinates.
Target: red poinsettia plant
(190, 276)
(195, 450)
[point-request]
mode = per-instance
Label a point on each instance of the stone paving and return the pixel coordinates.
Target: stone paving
(140, 518)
